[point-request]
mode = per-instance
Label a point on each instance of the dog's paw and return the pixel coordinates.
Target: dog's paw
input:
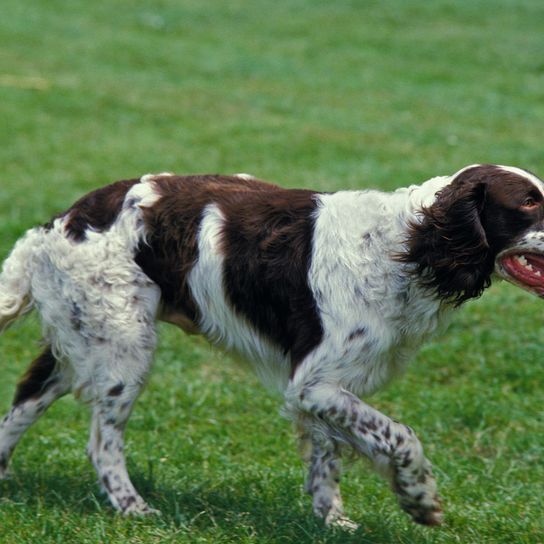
(342, 522)
(425, 513)
(427, 517)
(136, 506)
(417, 492)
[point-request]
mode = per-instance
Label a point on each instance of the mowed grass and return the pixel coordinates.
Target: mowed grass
(307, 93)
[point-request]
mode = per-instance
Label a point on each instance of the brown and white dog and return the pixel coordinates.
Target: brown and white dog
(328, 295)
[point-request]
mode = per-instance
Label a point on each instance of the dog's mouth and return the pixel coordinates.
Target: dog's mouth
(523, 269)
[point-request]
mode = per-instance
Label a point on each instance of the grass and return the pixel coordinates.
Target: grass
(308, 93)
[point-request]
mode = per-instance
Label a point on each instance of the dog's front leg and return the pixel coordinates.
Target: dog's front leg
(392, 447)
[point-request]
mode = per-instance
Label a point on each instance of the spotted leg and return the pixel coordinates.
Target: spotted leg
(43, 383)
(110, 345)
(323, 483)
(121, 364)
(392, 447)
(106, 447)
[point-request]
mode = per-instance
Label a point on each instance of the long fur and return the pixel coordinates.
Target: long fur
(328, 295)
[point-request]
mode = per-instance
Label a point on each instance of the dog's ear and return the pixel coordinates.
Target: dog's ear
(448, 244)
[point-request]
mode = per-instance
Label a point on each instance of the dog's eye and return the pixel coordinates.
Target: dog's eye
(529, 202)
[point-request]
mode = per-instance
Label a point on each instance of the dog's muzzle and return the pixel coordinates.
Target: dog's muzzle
(523, 263)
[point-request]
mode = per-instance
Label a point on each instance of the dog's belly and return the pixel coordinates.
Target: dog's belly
(245, 345)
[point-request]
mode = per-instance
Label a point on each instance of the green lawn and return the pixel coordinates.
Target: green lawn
(316, 93)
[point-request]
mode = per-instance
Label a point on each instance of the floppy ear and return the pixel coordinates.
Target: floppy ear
(449, 246)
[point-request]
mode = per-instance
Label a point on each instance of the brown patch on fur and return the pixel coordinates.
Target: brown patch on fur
(36, 378)
(97, 210)
(267, 244)
(172, 224)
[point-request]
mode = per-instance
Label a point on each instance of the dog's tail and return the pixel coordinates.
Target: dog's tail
(15, 298)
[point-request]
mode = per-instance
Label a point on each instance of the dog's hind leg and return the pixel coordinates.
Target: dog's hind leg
(43, 383)
(120, 366)
(323, 455)
(111, 410)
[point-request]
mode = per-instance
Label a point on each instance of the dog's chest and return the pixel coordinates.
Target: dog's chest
(382, 343)
(374, 313)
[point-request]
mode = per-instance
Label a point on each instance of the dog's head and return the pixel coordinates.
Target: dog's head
(487, 219)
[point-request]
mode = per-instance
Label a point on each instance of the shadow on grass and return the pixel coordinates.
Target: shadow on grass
(50, 489)
(245, 507)
(250, 505)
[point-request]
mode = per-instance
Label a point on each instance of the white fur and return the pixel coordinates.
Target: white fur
(16, 276)
(360, 286)
(527, 175)
(247, 177)
(95, 283)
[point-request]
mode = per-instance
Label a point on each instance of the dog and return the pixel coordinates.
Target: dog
(327, 294)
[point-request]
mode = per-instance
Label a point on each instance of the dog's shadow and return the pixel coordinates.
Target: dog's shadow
(274, 517)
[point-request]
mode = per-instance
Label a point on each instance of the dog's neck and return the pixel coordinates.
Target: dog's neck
(423, 195)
